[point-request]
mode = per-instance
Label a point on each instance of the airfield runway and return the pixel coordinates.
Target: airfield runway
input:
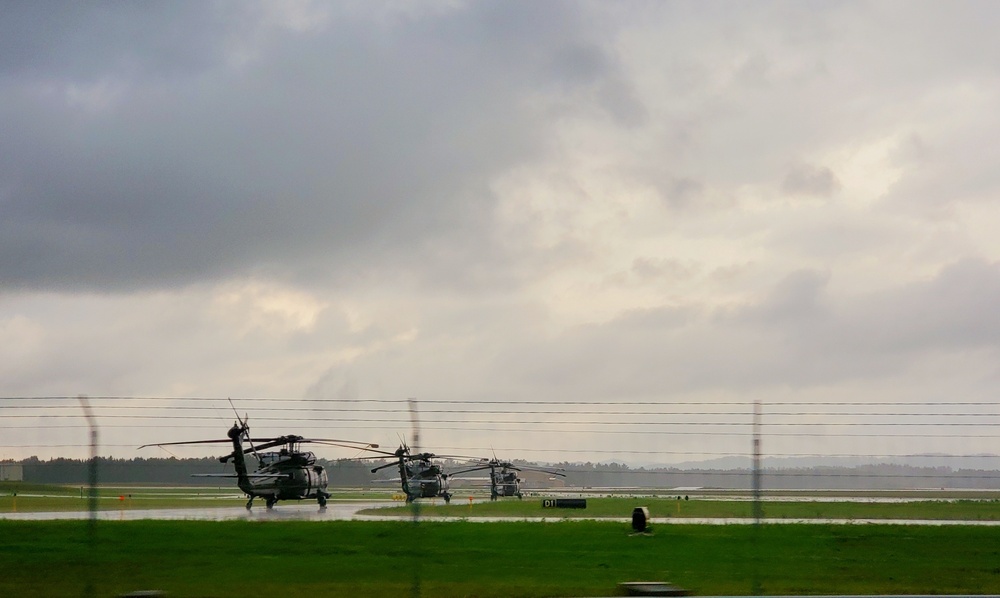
(334, 511)
(350, 511)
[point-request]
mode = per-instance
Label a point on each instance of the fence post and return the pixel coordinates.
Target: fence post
(92, 492)
(758, 509)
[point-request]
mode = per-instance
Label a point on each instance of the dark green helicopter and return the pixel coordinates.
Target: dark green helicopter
(504, 480)
(288, 473)
(419, 475)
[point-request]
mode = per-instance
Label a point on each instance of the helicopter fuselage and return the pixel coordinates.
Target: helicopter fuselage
(286, 474)
(297, 476)
(504, 483)
(422, 479)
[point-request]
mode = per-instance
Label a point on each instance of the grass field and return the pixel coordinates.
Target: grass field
(443, 560)
(954, 510)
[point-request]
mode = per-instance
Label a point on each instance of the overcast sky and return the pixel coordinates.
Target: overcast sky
(678, 202)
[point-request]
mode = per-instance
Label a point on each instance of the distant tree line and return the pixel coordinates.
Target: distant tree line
(882, 476)
(355, 473)
(167, 471)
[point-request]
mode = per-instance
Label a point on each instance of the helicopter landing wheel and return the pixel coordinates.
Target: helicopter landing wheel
(409, 499)
(250, 503)
(270, 502)
(447, 498)
(322, 501)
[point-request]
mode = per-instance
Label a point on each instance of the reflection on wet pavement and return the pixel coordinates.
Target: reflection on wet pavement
(334, 511)
(348, 510)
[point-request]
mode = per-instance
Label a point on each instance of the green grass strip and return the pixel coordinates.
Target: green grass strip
(439, 559)
(956, 510)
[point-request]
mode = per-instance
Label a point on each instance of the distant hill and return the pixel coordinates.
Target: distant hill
(786, 474)
(984, 462)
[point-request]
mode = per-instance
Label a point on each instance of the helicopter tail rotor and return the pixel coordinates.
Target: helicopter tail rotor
(244, 428)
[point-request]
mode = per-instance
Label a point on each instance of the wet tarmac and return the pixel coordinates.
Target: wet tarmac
(334, 511)
(350, 511)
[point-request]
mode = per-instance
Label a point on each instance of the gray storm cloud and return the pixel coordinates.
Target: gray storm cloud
(136, 165)
(683, 202)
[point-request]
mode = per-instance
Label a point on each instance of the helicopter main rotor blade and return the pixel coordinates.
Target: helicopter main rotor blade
(225, 441)
(350, 446)
(401, 453)
(270, 444)
(449, 457)
(539, 469)
(460, 472)
(429, 456)
(294, 438)
(342, 442)
(374, 469)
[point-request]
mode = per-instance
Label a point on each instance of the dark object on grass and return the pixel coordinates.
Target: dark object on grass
(640, 519)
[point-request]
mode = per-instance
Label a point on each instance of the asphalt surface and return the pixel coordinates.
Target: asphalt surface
(349, 511)
(334, 511)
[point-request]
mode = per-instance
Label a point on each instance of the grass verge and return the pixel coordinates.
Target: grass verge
(582, 558)
(954, 510)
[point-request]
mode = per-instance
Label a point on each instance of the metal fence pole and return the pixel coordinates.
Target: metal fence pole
(756, 588)
(92, 487)
(758, 509)
(415, 590)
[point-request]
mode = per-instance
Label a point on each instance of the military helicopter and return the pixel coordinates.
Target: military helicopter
(419, 476)
(286, 474)
(503, 476)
